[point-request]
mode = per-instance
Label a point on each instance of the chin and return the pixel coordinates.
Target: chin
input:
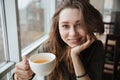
(73, 45)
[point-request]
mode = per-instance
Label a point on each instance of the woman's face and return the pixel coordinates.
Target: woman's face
(72, 27)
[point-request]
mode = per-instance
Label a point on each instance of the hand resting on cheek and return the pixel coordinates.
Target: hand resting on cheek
(76, 50)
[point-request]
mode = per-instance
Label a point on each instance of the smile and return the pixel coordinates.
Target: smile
(74, 41)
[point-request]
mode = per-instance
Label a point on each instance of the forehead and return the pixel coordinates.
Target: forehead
(70, 14)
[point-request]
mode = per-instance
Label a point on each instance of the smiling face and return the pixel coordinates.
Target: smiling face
(71, 27)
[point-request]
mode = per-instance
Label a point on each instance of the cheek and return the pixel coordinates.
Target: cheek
(63, 34)
(82, 32)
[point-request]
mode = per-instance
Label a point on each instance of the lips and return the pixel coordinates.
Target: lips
(74, 41)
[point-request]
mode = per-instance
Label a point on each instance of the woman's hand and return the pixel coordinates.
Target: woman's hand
(22, 70)
(76, 50)
(77, 63)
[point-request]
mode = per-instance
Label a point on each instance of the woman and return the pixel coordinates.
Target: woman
(80, 56)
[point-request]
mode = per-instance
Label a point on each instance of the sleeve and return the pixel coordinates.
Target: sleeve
(97, 62)
(12, 77)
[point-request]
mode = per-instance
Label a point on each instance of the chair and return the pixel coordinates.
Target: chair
(112, 55)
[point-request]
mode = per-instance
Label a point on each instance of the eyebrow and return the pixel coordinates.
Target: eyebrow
(78, 21)
(68, 22)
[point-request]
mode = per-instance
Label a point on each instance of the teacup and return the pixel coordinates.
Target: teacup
(42, 64)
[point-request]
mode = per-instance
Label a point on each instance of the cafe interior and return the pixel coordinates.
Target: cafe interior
(111, 41)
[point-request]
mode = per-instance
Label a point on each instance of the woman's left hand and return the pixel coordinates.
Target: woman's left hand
(76, 50)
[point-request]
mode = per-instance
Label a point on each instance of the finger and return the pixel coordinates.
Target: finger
(88, 37)
(91, 40)
(83, 40)
(18, 77)
(24, 77)
(88, 42)
(24, 74)
(22, 66)
(25, 60)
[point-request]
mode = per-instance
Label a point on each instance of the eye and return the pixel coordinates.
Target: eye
(65, 26)
(78, 25)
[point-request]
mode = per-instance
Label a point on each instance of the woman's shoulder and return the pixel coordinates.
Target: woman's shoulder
(95, 47)
(98, 43)
(98, 46)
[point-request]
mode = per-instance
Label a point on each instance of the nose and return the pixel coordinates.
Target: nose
(73, 31)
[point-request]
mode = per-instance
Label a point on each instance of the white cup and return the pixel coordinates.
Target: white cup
(44, 68)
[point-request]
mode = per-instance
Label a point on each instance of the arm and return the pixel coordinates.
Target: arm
(79, 69)
(77, 64)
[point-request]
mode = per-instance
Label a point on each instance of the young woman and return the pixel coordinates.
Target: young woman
(80, 56)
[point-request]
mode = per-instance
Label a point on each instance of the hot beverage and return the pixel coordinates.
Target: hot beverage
(40, 61)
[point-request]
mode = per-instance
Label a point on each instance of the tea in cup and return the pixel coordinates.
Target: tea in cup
(40, 61)
(42, 64)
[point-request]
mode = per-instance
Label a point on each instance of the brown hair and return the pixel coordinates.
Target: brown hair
(92, 19)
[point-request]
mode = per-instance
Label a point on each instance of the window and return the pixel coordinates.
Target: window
(32, 19)
(108, 7)
(98, 5)
(2, 56)
(28, 28)
(5, 63)
(105, 7)
(58, 2)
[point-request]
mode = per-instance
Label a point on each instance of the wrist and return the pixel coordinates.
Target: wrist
(74, 55)
(15, 77)
(82, 75)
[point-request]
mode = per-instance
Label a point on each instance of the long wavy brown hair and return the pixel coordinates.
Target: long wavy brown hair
(94, 23)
